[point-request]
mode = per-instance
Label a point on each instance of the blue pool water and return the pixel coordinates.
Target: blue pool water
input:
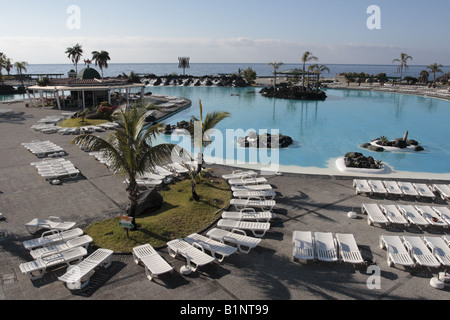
(324, 131)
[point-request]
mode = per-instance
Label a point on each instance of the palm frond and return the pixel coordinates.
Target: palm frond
(212, 119)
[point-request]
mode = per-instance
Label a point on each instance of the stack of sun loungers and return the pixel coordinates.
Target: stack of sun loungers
(324, 246)
(396, 188)
(63, 246)
(147, 180)
(401, 214)
(251, 207)
(60, 168)
(410, 251)
(44, 149)
(46, 127)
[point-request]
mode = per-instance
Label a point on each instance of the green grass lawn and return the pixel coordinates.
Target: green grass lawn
(77, 122)
(178, 217)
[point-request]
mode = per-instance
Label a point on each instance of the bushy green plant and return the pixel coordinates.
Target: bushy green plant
(249, 75)
(105, 110)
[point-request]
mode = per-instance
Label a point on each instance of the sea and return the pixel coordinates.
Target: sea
(214, 69)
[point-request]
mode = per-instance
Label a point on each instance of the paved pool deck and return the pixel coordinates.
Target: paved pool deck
(306, 201)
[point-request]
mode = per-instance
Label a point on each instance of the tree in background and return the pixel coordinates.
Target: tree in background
(183, 63)
(249, 75)
(75, 53)
(423, 77)
(276, 66)
(101, 59)
(306, 57)
(316, 69)
(403, 63)
(21, 66)
(435, 68)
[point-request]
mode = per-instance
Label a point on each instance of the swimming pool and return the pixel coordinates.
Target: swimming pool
(326, 130)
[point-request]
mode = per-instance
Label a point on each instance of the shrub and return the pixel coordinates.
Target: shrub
(105, 110)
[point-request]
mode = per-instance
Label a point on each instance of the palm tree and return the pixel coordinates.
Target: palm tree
(21, 66)
(403, 63)
(8, 65)
(435, 68)
(275, 66)
(101, 59)
(307, 56)
(208, 123)
(2, 64)
(315, 68)
(75, 53)
(129, 149)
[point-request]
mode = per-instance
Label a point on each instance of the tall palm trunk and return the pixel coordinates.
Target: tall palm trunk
(132, 197)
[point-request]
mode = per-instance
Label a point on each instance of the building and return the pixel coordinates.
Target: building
(86, 90)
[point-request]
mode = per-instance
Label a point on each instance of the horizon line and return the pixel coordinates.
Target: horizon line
(285, 63)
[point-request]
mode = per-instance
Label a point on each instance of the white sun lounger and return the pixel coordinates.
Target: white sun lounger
(52, 222)
(177, 168)
(83, 241)
(362, 186)
(249, 214)
(145, 183)
(244, 181)
(446, 239)
(443, 190)
(78, 276)
(163, 172)
(348, 249)
(325, 246)
(408, 189)
(303, 245)
(396, 251)
(246, 194)
(151, 176)
(377, 187)
(424, 191)
(254, 187)
(412, 215)
(154, 264)
(431, 216)
(253, 203)
(238, 237)
(219, 250)
(40, 265)
(52, 237)
(258, 229)
(420, 252)
(239, 174)
(393, 214)
(392, 188)
(439, 248)
(444, 213)
(374, 214)
(194, 254)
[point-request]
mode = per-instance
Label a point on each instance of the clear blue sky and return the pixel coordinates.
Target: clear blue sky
(245, 31)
